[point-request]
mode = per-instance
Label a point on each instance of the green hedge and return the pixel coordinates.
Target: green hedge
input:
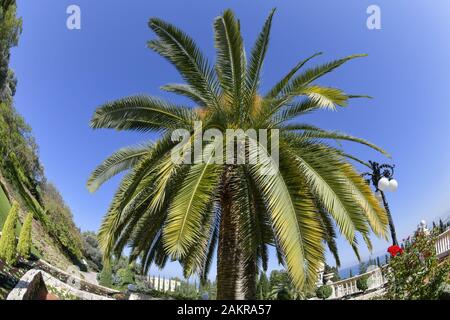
(5, 206)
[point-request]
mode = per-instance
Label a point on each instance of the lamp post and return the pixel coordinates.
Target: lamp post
(382, 179)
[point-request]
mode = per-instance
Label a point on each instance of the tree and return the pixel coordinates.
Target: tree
(10, 29)
(441, 226)
(350, 274)
(61, 225)
(416, 274)
(91, 250)
(263, 287)
(362, 267)
(106, 276)
(324, 292)
(378, 262)
(8, 239)
(24, 245)
(167, 210)
(334, 271)
(362, 283)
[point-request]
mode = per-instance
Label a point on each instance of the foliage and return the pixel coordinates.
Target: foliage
(334, 270)
(282, 288)
(165, 210)
(8, 238)
(24, 245)
(5, 206)
(126, 276)
(324, 292)
(362, 283)
(263, 287)
(91, 250)
(19, 154)
(187, 291)
(10, 29)
(416, 274)
(61, 224)
(61, 293)
(362, 267)
(106, 276)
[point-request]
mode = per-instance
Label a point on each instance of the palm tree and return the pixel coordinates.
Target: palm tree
(165, 210)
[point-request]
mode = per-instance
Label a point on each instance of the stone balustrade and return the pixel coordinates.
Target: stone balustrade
(443, 244)
(348, 287)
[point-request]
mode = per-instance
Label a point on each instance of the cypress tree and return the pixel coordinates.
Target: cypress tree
(106, 276)
(8, 238)
(441, 226)
(263, 287)
(24, 246)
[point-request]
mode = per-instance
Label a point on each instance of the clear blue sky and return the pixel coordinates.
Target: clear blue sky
(64, 75)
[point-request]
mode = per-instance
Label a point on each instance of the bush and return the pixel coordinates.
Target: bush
(106, 276)
(362, 283)
(416, 273)
(24, 246)
(126, 276)
(8, 238)
(324, 292)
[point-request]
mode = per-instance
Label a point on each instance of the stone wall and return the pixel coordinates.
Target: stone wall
(30, 286)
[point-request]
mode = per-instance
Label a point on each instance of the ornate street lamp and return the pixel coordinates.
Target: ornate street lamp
(382, 179)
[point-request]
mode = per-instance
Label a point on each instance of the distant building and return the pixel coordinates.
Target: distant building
(163, 284)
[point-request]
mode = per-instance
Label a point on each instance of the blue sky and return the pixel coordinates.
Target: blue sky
(64, 75)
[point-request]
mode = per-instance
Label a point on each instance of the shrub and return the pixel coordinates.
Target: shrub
(416, 273)
(324, 292)
(126, 276)
(8, 238)
(106, 276)
(362, 283)
(24, 246)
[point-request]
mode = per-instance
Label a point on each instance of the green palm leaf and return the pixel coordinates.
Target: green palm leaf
(186, 211)
(142, 113)
(124, 159)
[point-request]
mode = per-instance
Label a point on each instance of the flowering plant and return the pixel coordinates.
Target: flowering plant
(416, 272)
(395, 250)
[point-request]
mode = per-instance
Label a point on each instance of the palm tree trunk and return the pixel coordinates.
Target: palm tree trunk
(227, 252)
(250, 275)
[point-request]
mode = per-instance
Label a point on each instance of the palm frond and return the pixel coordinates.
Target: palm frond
(278, 88)
(124, 159)
(186, 211)
(256, 60)
(187, 91)
(272, 186)
(230, 64)
(142, 113)
(312, 74)
(180, 49)
(310, 131)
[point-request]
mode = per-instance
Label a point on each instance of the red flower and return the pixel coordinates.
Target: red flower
(395, 250)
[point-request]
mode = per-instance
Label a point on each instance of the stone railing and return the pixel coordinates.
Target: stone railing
(36, 281)
(64, 276)
(348, 287)
(443, 244)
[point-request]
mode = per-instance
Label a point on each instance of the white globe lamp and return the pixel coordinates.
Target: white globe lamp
(383, 184)
(393, 185)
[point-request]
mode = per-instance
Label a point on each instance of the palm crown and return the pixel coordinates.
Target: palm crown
(166, 210)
